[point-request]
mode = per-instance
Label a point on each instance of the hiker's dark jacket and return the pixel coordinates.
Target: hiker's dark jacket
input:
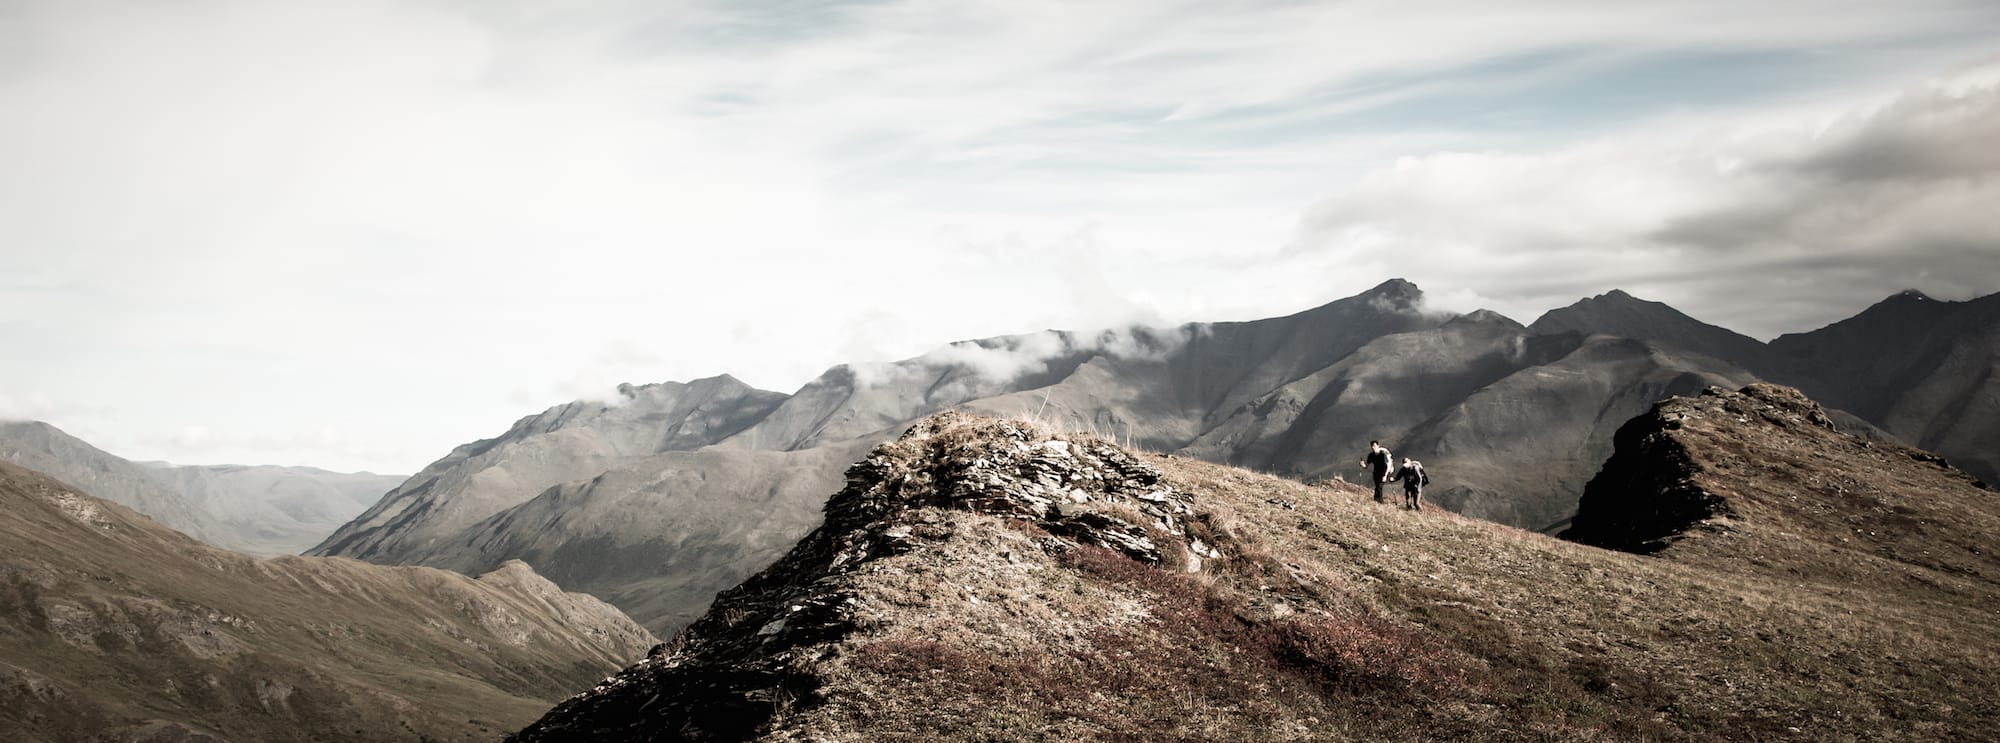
(1412, 476)
(1379, 461)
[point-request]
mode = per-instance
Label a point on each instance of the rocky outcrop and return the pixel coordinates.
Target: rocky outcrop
(1757, 472)
(1646, 494)
(726, 674)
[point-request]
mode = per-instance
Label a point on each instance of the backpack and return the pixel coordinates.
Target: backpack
(1423, 475)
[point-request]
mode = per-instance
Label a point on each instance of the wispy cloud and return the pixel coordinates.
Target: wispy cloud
(417, 209)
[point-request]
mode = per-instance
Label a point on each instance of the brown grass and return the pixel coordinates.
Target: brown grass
(1333, 618)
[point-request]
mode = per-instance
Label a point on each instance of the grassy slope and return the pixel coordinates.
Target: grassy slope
(1326, 618)
(110, 624)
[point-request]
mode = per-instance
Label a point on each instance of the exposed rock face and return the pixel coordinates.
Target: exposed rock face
(1518, 422)
(1760, 473)
(1646, 493)
(1913, 366)
(113, 627)
(724, 676)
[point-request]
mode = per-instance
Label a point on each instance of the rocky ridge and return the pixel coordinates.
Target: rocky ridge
(982, 579)
(724, 676)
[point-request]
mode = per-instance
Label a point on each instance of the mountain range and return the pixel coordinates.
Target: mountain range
(116, 628)
(670, 492)
(259, 510)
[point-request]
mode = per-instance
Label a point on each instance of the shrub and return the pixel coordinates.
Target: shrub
(1366, 653)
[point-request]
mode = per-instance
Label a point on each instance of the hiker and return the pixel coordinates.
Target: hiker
(1379, 461)
(1413, 478)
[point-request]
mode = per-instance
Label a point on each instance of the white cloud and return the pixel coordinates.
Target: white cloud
(404, 218)
(1763, 231)
(1004, 359)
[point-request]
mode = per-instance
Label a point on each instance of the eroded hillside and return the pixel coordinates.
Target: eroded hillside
(981, 579)
(113, 627)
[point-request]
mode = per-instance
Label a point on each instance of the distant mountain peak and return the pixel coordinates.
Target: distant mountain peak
(1395, 295)
(1897, 315)
(1484, 317)
(1611, 312)
(1617, 312)
(1396, 286)
(719, 381)
(1619, 297)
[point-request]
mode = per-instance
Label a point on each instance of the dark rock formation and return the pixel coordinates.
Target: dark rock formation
(1646, 494)
(1766, 474)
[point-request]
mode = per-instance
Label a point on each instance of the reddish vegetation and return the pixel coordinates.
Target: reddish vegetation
(951, 597)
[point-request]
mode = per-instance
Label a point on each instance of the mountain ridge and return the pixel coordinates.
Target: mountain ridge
(263, 510)
(115, 627)
(1511, 420)
(991, 579)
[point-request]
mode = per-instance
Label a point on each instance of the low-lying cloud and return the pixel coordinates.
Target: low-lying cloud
(1008, 358)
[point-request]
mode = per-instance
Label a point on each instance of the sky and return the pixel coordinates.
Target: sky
(355, 234)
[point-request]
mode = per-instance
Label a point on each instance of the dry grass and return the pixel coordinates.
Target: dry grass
(111, 624)
(1329, 617)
